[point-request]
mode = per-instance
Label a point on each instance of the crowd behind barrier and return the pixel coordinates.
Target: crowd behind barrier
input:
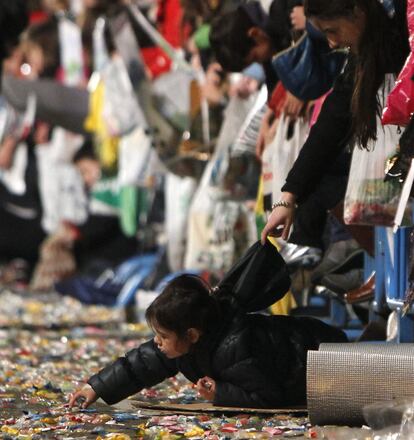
(175, 134)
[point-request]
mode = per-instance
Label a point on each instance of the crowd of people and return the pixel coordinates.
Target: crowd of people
(199, 127)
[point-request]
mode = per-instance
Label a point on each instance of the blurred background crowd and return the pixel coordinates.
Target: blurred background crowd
(153, 137)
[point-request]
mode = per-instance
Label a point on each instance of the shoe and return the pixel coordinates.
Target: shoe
(340, 257)
(343, 283)
(303, 256)
(362, 293)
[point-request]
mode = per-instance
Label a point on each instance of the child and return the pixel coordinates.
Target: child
(234, 357)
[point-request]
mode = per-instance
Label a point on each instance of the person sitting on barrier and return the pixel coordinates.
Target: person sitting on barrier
(235, 358)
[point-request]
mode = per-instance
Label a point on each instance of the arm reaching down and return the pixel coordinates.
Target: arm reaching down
(140, 368)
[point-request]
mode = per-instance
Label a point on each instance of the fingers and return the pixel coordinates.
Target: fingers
(73, 398)
(206, 387)
(286, 231)
(200, 388)
(80, 399)
(87, 402)
(263, 237)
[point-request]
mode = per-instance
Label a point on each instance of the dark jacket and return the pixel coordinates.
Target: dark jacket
(332, 132)
(256, 360)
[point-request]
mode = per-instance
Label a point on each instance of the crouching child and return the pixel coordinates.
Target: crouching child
(218, 339)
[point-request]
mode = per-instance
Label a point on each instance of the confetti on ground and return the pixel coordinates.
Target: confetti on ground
(50, 345)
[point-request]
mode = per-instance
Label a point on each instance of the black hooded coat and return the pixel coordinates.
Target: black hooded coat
(257, 361)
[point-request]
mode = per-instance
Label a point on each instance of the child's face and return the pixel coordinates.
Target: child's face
(90, 171)
(170, 344)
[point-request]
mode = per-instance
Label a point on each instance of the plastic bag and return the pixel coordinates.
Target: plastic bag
(121, 111)
(400, 102)
(71, 59)
(134, 156)
(61, 187)
(172, 97)
(178, 194)
(289, 139)
(202, 245)
(369, 199)
(279, 156)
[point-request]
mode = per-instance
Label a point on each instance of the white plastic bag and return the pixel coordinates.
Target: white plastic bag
(121, 111)
(368, 199)
(61, 187)
(209, 247)
(71, 53)
(289, 139)
(171, 93)
(279, 156)
(134, 155)
(179, 193)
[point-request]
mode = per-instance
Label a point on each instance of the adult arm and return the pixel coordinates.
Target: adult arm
(56, 104)
(327, 139)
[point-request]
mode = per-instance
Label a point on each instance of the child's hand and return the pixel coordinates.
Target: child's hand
(83, 397)
(207, 388)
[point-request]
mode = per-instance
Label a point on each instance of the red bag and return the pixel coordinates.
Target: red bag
(400, 102)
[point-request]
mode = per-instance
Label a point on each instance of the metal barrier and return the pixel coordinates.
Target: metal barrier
(391, 276)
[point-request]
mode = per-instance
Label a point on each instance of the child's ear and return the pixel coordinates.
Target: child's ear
(193, 335)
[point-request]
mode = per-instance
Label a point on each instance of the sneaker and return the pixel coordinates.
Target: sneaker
(303, 256)
(341, 256)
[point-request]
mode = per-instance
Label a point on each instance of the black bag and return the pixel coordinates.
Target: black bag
(258, 279)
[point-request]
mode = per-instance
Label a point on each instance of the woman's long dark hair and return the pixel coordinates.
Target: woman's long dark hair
(383, 49)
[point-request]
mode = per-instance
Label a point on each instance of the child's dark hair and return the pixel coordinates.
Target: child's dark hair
(86, 151)
(185, 303)
(230, 41)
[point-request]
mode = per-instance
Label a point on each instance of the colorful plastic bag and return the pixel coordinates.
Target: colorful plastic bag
(400, 102)
(369, 199)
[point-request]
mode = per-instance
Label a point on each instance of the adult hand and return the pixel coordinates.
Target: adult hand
(293, 106)
(83, 397)
(280, 220)
(206, 386)
(244, 87)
